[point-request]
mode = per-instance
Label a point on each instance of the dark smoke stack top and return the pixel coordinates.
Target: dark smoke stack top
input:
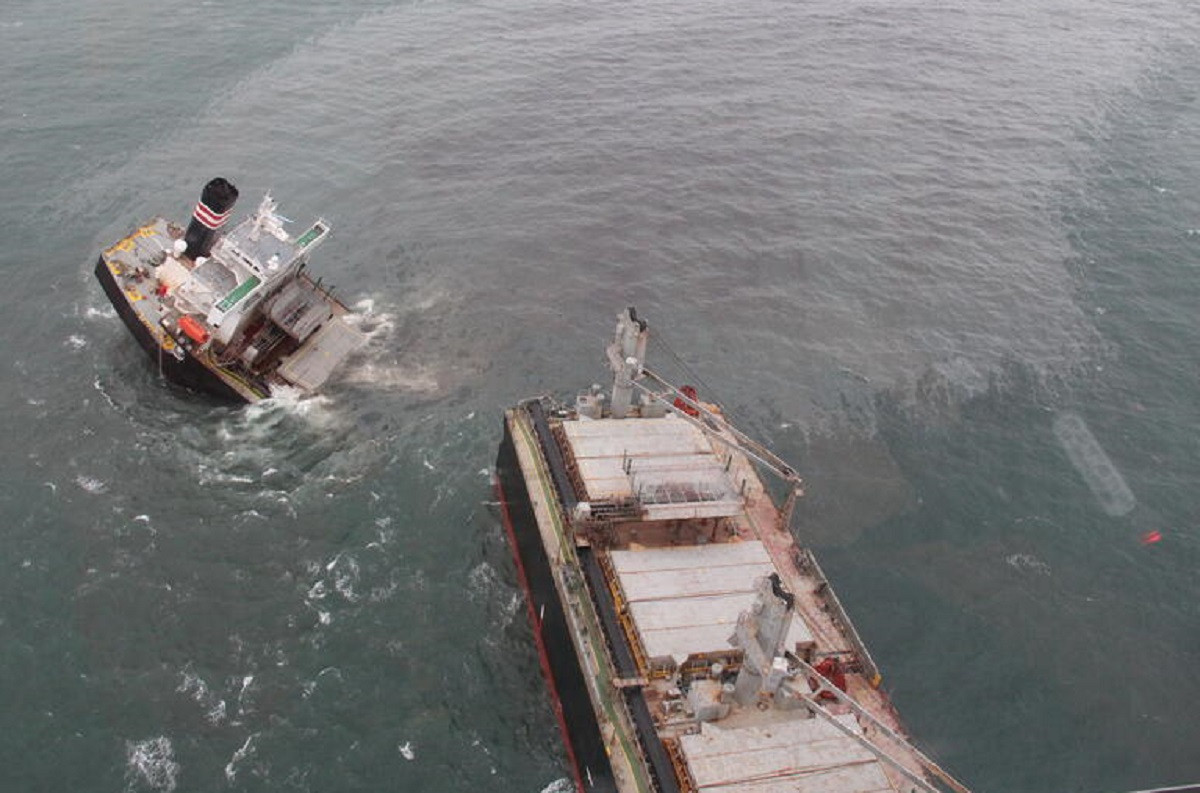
(216, 203)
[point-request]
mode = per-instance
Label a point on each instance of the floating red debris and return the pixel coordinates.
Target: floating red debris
(1151, 537)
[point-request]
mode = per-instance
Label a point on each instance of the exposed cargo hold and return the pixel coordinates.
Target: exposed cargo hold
(233, 314)
(688, 642)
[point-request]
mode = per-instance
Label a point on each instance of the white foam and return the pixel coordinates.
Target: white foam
(152, 763)
(91, 484)
(294, 401)
(216, 714)
(194, 686)
(96, 384)
(239, 756)
(482, 580)
(1025, 561)
(407, 751)
(246, 681)
(563, 785)
(207, 475)
(369, 322)
(75, 342)
(345, 579)
(311, 686)
(260, 421)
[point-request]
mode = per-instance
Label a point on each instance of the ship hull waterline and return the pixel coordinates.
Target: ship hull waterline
(572, 704)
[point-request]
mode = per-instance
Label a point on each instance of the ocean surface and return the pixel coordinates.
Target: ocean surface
(943, 256)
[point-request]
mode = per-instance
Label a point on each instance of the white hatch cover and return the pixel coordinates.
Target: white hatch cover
(668, 465)
(795, 755)
(686, 600)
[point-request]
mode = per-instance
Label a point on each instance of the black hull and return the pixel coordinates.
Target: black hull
(188, 372)
(560, 663)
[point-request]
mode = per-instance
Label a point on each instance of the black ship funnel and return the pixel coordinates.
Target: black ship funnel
(216, 203)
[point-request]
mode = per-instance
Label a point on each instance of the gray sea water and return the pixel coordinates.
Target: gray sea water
(943, 256)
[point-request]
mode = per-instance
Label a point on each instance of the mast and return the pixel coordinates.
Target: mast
(627, 360)
(626, 356)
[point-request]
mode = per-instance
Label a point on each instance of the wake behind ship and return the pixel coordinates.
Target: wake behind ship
(233, 314)
(688, 642)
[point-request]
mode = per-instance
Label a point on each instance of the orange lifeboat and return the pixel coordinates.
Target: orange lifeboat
(194, 330)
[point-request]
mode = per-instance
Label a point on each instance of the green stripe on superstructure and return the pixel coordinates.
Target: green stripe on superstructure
(244, 288)
(307, 237)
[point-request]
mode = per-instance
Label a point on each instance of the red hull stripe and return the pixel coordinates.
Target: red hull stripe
(210, 219)
(536, 624)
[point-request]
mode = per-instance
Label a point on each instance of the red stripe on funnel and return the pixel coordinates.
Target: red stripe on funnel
(210, 219)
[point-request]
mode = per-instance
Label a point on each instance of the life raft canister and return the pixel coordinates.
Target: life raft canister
(688, 391)
(194, 330)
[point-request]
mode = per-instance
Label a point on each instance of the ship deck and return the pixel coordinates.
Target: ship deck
(683, 529)
(133, 259)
